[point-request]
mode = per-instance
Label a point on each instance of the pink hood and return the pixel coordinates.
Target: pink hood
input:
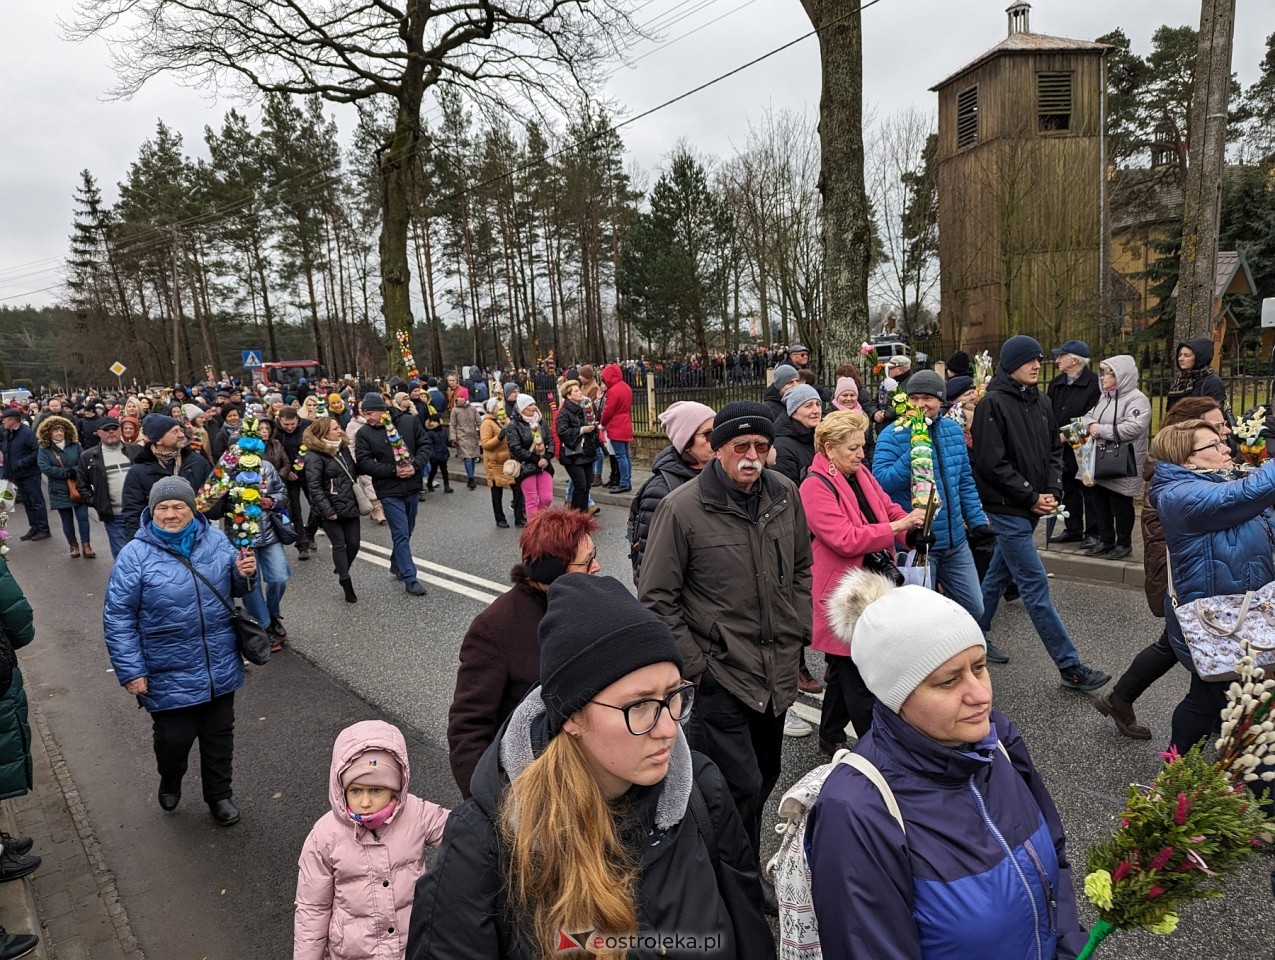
(354, 885)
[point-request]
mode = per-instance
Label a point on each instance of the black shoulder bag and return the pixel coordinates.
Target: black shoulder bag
(253, 640)
(1115, 459)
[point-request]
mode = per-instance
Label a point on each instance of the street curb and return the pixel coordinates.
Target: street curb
(108, 892)
(17, 898)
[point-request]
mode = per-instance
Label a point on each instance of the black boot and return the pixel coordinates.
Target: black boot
(224, 812)
(170, 794)
(18, 846)
(348, 586)
(15, 945)
(15, 868)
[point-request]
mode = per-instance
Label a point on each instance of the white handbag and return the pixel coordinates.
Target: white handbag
(1220, 630)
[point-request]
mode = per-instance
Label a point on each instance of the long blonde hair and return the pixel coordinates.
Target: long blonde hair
(568, 868)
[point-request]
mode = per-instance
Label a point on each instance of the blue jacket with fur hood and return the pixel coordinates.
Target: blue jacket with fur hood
(164, 623)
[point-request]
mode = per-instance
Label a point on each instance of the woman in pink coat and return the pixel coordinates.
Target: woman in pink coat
(853, 523)
(360, 863)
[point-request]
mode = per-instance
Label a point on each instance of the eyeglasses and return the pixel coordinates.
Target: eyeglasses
(704, 434)
(741, 447)
(587, 562)
(1215, 445)
(642, 716)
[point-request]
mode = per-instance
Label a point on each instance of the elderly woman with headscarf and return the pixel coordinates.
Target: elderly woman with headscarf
(171, 640)
(1123, 413)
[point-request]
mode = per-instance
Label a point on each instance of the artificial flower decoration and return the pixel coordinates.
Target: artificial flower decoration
(396, 440)
(298, 465)
(921, 452)
(1193, 825)
(869, 354)
(405, 348)
(238, 475)
(1249, 431)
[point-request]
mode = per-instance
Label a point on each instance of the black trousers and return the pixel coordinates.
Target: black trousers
(1077, 498)
(1113, 516)
(213, 724)
(746, 745)
(520, 505)
(581, 476)
(846, 699)
(1151, 663)
(435, 468)
(344, 537)
(305, 526)
(1199, 715)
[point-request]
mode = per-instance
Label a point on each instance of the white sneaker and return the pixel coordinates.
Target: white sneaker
(794, 726)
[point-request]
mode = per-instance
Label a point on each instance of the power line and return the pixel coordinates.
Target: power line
(222, 215)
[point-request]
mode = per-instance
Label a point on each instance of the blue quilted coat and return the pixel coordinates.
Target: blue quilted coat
(892, 466)
(164, 623)
(1220, 534)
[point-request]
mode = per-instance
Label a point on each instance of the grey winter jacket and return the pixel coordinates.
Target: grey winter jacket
(736, 593)
(1124, 414)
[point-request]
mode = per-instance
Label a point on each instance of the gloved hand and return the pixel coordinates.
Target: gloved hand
(981, 538)
(915, 539)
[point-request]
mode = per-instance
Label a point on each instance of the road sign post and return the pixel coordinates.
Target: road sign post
(118, 369)
(251, 359)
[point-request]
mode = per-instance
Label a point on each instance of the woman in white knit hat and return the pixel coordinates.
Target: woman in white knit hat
(977, 870)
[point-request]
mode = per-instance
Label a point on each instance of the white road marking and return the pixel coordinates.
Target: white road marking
(469, 578)
(451, 585)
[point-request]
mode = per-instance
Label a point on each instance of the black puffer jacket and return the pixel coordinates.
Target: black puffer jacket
(375, 457)
(521, 441)
(568, 426)
(147, 471)
(794, 448)
(1017, 453)
(668, 472)
(328, 483)
(1209, 385)
(774, 401)
(461, 912)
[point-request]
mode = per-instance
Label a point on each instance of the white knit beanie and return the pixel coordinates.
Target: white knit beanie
(903, 637)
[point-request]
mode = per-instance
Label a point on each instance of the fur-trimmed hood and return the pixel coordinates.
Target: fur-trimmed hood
(846, 603)
(44, 432)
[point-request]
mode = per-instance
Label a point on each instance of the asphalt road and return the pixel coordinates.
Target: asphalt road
(195, 890)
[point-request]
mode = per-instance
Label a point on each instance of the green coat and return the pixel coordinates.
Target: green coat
(18, 626)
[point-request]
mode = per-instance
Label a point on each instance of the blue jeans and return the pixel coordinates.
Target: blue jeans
(33, 502)
(953, 569)
(269, 582)
(115, 535)
(1016, 559)
(469, 467)
(599, 460)
(622, 458)
(400, 517)
(70, 516)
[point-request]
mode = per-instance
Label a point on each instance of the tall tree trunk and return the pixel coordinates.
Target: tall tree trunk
(1202, 197)
(847, 234)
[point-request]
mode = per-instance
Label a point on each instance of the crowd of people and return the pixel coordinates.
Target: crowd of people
(616, 752)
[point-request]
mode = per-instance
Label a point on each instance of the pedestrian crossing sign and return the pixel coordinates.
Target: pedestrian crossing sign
(251, 358)
(118, 368)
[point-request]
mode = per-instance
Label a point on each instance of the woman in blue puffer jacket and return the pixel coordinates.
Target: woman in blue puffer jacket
(168, 629)
(1219, 530)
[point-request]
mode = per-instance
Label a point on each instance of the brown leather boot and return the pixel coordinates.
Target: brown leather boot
(75, 550)
(1121, 711)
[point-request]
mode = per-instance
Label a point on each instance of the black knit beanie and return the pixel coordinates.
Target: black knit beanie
(593, 633)
(741, 418)
(1018, 351)
(959, 364)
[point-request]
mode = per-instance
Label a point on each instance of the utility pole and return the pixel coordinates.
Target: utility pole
(1206, 159)
(177, 309)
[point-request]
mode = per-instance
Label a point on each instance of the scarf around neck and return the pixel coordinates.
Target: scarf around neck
(180, 541)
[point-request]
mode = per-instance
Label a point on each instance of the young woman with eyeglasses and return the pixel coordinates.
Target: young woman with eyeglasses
(591, 823)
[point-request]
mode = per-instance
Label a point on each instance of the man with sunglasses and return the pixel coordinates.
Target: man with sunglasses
(727, 567)
(100, 477)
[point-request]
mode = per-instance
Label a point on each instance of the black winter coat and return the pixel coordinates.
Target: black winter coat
(521, 441)
(794, 448)
(668, 472)
(774, 402)
(328, 484)
(1209, 385)
(91, 478)
(460, 911)
(375, 458)
(1071, 401)
(21, 453)
(436, 437)
(568, 426)
(1017, 453)
(146, 472)
(291, 446)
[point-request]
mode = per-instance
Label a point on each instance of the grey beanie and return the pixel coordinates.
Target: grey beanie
(802, 393)
(784, 375)
(927, 382)
(171, 488)
(372, 402)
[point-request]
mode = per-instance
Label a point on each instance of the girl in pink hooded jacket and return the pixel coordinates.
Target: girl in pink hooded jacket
(359, 866)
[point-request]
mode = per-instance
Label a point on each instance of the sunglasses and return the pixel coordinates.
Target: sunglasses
(741, 447)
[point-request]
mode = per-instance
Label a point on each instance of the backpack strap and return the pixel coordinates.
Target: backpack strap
(869, 770)
(704, 824)
(828, 483)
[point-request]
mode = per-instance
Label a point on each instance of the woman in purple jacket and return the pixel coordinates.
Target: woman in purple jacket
(977, 870)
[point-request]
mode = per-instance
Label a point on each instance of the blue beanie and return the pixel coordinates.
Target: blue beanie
(958, 385)
(156, 425)
(1018, 351)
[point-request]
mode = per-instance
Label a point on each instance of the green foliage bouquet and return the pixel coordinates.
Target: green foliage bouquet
(1195, 824)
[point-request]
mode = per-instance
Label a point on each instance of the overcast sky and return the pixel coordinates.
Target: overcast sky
(56, 120)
